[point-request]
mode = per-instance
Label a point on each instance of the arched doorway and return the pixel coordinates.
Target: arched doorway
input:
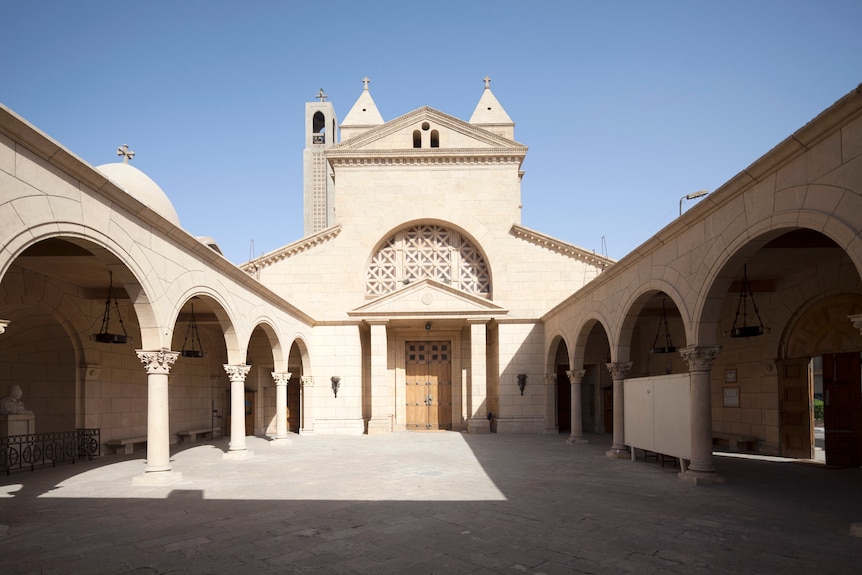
(563, 388)
(823, 365)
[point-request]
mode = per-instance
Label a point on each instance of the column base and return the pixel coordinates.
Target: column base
(478, 425)
(576, 440)
(157, 478)
(238, 455)
(618, 453)
(701, 478)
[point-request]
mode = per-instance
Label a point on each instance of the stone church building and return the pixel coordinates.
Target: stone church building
(417, 301)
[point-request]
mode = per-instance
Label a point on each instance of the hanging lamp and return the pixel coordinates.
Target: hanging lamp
(104, 335)
(195, 349)
(746, 294)
(668, 343)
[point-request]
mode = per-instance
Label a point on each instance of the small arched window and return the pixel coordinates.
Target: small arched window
(417, 139)
(318, 127)
(435, 139)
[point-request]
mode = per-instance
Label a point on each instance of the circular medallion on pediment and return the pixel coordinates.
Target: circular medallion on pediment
(427, 298)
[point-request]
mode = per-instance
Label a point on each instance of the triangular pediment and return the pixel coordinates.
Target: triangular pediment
(453, 136)
(428, 298)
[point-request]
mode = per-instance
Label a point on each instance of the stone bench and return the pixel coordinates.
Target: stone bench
(191, 435)
(126, 444)
(734, 442)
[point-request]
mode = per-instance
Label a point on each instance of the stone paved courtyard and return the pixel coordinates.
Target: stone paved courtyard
(428, 503)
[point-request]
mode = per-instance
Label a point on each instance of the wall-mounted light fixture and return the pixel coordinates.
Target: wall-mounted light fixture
(336, 383)
(522, 382)
(428, 327)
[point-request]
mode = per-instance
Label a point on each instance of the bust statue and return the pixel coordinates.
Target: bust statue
(12, 404)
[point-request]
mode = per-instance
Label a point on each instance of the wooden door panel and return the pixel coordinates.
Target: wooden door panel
(417, 411)
(428, 386)
(842, 398)
(795, 408)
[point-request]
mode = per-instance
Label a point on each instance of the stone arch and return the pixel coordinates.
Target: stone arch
(219, 307)
(268, 327)
(299, 400)
(591, 348)
(728, 263)
(557, 339)
(632, 308)
(132, 273)
(559, 366)
(428, 249)
(823, 327)
(583, 331)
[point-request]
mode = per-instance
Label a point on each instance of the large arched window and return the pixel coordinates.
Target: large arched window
(428, 251)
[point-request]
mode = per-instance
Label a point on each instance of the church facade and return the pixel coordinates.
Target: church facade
(416, 300)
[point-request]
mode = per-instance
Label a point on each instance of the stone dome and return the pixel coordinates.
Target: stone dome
(139, 185)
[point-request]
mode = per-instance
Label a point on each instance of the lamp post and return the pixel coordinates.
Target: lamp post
(691, 196)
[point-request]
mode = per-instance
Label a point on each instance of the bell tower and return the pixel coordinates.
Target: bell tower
(318, 187)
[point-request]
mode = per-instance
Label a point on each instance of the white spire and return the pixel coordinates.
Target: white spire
(362, 116)
(489, 114)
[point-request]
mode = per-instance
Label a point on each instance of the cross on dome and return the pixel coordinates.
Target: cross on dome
(126, 153)
(365, 82)
(321, 95)
(487, 83)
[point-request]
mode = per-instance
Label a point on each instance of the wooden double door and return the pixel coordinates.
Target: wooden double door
(428, 385)
(842, 397)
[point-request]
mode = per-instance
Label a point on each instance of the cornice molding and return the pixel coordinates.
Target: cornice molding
(423, 157)
(290, 250)
(561, 247)
(425, 112)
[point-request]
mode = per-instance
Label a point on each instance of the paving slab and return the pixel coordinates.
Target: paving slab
(428, 503)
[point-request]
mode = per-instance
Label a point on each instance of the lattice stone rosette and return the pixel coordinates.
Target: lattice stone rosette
(428, 252)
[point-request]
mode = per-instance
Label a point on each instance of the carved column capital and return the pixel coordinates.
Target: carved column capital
(550, 379)
(306, 381)
(4, 323)
(619, 369)
(159, 361)
(237, 372)
(281, 378)
(576, 376)
(699, 358)
(856, 320)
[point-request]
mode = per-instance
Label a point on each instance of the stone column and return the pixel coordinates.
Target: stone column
(158, 469)
(619, 370)
(478, 422)
(281, 379)
(381, 396)
(701, 469)
(306, 383)
(577, 434)
(237, 448)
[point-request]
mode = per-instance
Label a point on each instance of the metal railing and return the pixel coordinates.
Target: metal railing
(23, 451)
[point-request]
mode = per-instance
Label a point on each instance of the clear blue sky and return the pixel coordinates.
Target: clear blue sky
(625, 106)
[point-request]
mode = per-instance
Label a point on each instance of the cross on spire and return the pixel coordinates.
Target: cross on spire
(365, 82)
(126, 153)
(487, 83)
(321, 95)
